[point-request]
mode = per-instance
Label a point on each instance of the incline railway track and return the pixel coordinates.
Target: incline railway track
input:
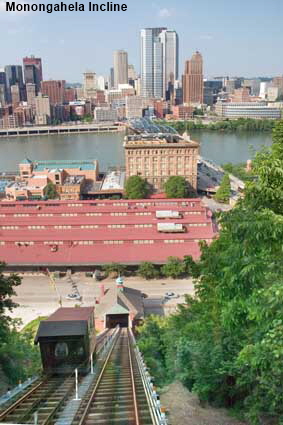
(118, 396)
(45, 396)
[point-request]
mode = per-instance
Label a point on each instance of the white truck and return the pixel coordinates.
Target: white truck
(170, 228)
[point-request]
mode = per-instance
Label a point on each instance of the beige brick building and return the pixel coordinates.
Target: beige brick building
(158, 159)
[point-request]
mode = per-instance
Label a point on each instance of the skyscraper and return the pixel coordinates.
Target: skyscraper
(89, 84)
(33, 71)
(159, 61)
(14, 76)
(120, 67)
(193, 80)
(170, 61)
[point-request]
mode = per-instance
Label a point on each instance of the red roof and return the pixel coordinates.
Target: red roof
(25, 245)
(71, 313)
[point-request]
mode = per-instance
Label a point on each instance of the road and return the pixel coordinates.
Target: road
(36, 297)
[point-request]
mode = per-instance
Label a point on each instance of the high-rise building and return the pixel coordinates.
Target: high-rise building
(42, 109)
(193, 80)
(3, 87)
(111, 79)
(15, 95)
(33, 71)
(132, 75)
(55, 90)
(151, 62)
(31, 93)
(170, 61)
(89, 84)
(14, 76)
(120, 67)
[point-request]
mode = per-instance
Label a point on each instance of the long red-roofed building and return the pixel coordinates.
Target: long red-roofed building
(82, 234)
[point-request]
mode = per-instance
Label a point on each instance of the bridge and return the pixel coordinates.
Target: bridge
(117, 390)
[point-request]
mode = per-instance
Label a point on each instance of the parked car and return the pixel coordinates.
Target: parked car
(170, 295)
(74, 297)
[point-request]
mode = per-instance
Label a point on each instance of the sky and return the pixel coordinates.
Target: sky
(243, 38)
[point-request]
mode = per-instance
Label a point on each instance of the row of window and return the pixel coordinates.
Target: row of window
(174, 241)
(95, 226)
(107, 242)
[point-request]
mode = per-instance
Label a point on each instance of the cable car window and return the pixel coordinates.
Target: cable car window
(61, 350)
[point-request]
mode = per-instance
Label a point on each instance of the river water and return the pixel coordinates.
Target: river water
(108, 147)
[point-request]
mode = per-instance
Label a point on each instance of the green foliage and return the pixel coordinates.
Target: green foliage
(148, 270)
(50, 191)
(88, 118)
(240, 124)
(239, 170)
(136, 188)
(226, 343)
(173, 268)
(18, 356)
(114, 268)
(176, 187)
(224, 190)
(152, 346)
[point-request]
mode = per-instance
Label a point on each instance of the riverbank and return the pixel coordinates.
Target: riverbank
(223, 125)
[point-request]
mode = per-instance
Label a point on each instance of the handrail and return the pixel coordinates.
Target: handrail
(133, 381)
(157, 415)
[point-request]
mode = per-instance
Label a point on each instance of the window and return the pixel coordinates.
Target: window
(117, 242)
(61, 350)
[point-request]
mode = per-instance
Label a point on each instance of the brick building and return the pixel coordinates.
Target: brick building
(157, 159)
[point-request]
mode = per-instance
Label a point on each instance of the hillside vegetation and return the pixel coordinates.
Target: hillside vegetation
(226, 343)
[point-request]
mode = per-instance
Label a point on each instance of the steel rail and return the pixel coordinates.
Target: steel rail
(88, 406)
(20, 400)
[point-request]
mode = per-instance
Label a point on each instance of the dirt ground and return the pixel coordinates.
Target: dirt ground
(184, 408)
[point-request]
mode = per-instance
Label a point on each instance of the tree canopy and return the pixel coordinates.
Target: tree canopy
(176, 187)
(224, 190)
(50, 191)
(136, 188)
(226, 342)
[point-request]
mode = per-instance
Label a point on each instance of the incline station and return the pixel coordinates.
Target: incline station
(82, 234)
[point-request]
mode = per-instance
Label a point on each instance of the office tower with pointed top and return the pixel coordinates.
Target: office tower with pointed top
(193, 80)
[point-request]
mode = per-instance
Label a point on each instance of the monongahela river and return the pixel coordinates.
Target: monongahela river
(108, 147)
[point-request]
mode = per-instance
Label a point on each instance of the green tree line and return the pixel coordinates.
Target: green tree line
(227, 125)
(226, 342)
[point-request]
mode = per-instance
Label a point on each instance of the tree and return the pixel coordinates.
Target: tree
(136, 188)
(114, 268)
(50, 191)
(176, 187)
(7, 284)
(224, 190)
(173, 268)
(148, 270)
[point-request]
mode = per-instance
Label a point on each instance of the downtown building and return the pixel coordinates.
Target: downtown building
(193, 80)
(33, 71)
(255, 110)
(159, 61)
(120, 68)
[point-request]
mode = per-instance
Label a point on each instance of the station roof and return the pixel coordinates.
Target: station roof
(71, 313)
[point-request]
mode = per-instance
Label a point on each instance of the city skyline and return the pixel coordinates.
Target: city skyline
(231, 44)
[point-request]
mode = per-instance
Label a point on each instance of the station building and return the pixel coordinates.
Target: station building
(119, 305)
(83, 234)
